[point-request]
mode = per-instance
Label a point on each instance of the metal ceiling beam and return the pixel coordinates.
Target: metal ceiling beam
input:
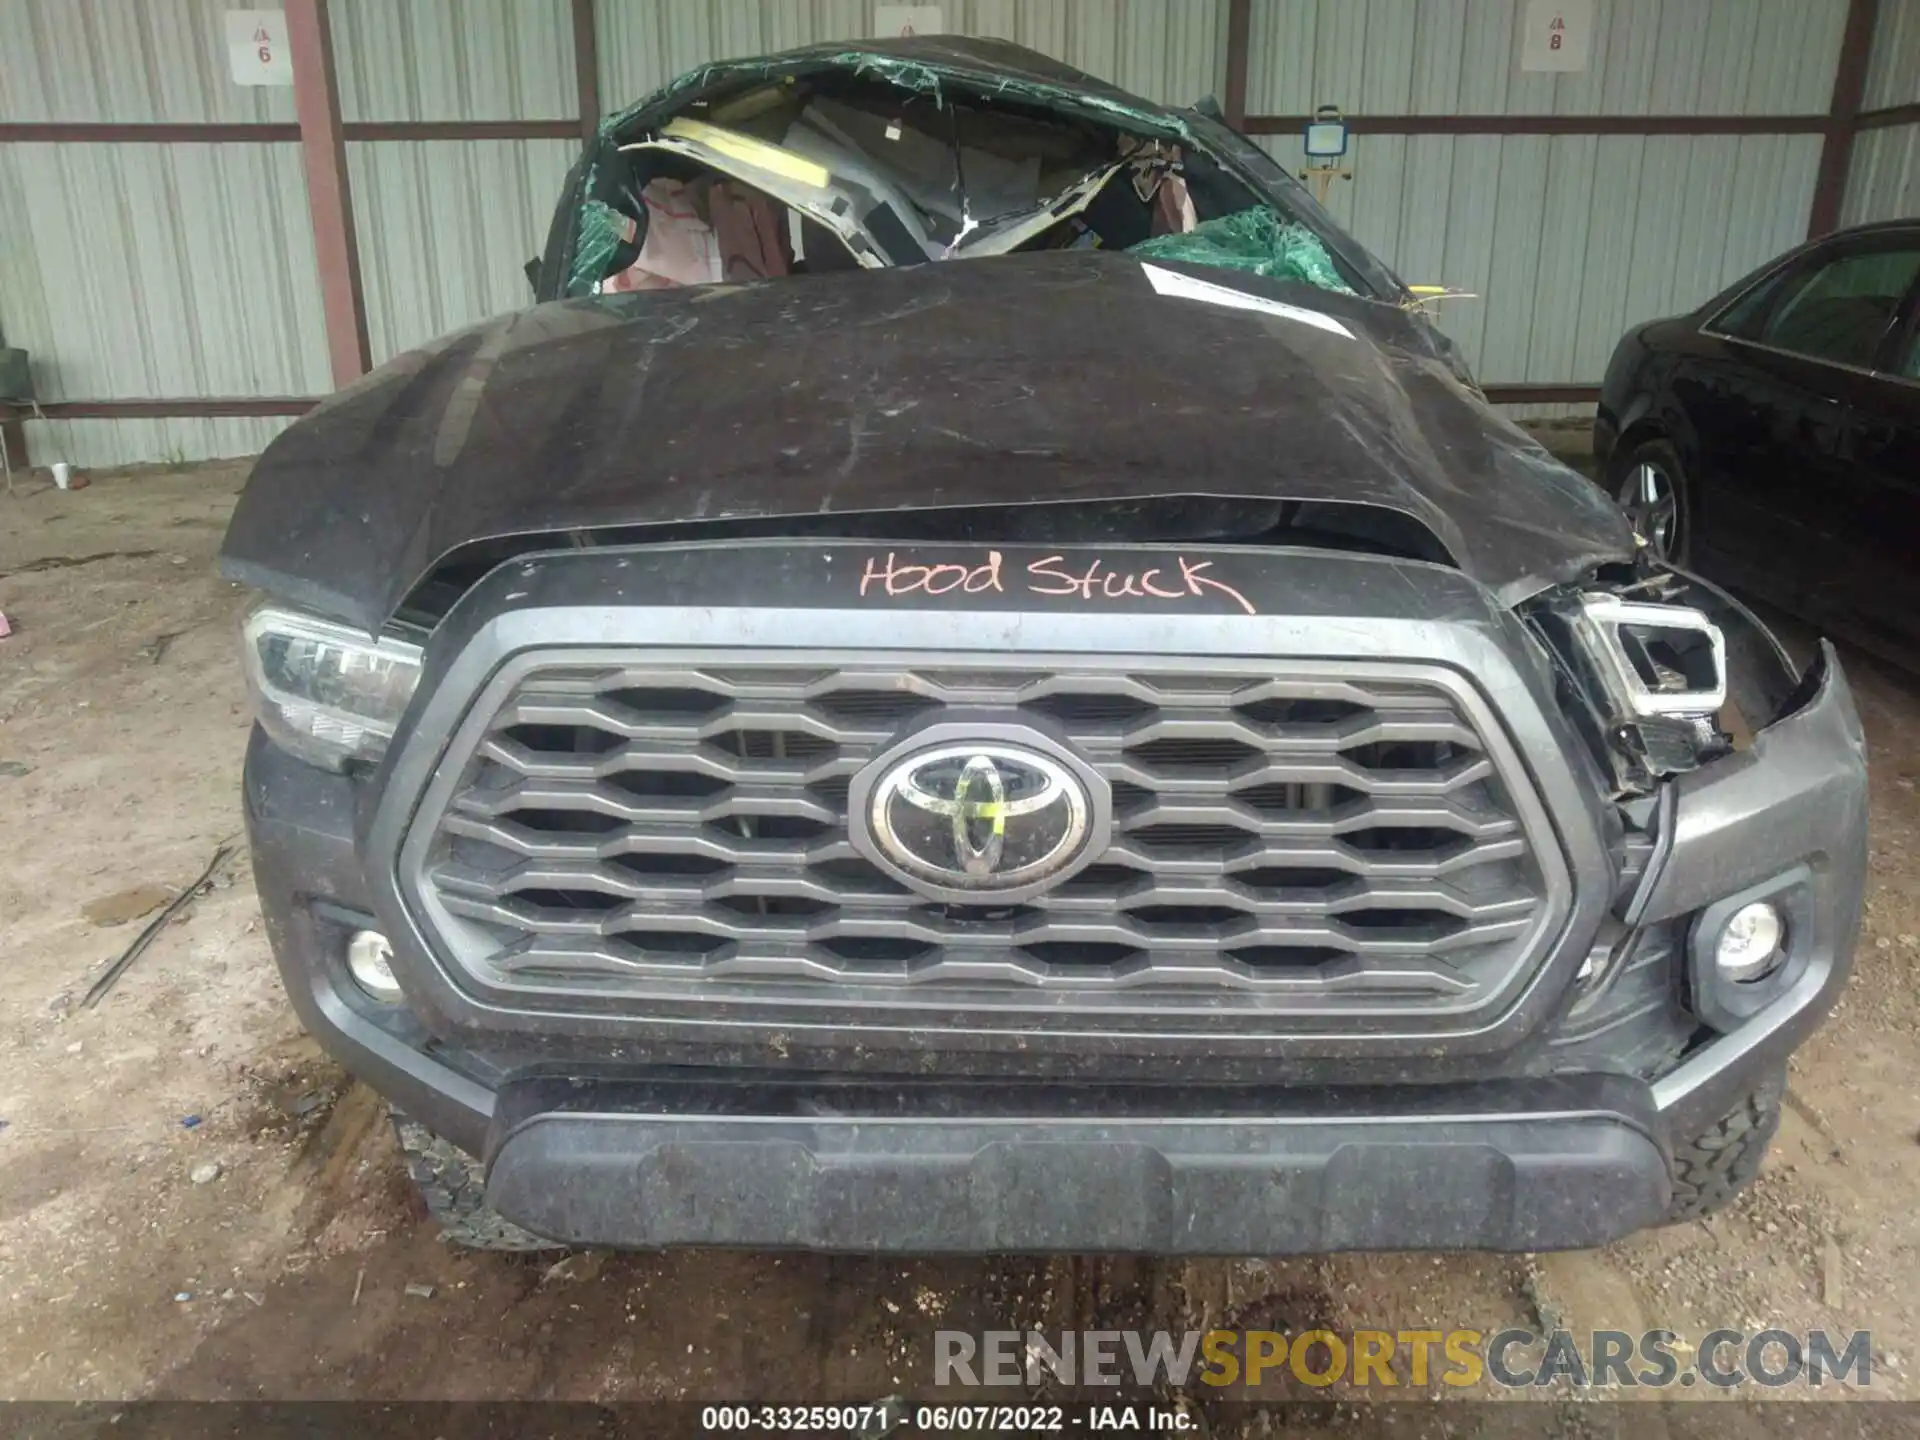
(1447, 124)
(1892, 115)
(1542, 394)
(62, 132)
(87, 132)
(204, 407)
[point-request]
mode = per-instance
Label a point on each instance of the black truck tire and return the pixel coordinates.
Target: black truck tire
(454, 1189)
(1722, 1161)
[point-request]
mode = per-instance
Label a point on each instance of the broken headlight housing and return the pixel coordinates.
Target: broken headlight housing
(323, 692)
(1645, 679)
(1655, 659)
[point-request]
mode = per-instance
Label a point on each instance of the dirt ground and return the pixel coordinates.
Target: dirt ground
(195, 1203)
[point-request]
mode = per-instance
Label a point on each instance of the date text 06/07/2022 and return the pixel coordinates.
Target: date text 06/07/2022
(882, 1417)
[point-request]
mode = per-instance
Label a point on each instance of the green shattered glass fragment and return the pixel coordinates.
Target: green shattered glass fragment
(909, 74)
(601, 227)
(1257, 240)
(917, 75)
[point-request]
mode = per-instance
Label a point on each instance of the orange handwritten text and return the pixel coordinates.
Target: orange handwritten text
(897, 579)
(1084, 579)
(1098, 582)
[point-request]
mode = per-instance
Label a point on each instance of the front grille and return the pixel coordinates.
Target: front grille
(1336, 836)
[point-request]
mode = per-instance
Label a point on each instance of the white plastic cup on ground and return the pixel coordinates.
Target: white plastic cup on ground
(62, 475)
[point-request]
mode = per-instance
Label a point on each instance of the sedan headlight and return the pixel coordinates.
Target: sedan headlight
(322, 691)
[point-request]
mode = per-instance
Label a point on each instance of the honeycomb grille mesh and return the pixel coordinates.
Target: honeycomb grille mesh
(1296, 840)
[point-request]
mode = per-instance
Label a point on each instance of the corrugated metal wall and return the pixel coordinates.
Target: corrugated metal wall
(1883, 182)
(454, 59)
(1566, 239)
(1893, 72)
(124, 60)
(1569, 239)
(159, 270)
(132, 271)
(445, 226)
(445, 229)
(1649, 57)
(1168, 50)
(181, 270)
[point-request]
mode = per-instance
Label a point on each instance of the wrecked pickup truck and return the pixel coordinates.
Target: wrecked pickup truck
(979, 678)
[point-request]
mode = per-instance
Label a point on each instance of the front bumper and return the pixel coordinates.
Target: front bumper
(929, 1168)
(632, 1151)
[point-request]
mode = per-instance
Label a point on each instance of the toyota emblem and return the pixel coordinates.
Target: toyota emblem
(979, 819)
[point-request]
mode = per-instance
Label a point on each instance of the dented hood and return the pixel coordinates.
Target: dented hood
(1051, 377)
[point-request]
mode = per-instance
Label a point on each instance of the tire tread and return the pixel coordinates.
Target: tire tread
(1722, 1161)
(453, 1186)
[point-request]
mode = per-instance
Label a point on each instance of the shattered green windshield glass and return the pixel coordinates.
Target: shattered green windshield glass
(1259, 239)
(1256, 240)
(601, 230)
(921, 77)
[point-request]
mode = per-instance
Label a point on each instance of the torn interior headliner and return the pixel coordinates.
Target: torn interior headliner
(1064, 376)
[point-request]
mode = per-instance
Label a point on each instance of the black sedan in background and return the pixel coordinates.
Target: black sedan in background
(1771, 438)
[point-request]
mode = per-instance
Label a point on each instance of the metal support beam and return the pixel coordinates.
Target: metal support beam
(1448, 124)
(586, 67)
(38, 132)
(181, 407)
(94, 132)
(323, 150)
(13, 443)
(1239, 29)
(1843, 119)
(1892, 115)
(1542, 394)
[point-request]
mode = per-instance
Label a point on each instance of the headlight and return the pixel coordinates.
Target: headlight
(1657, 660)
(324, 692)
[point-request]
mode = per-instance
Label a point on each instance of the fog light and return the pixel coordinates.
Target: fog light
(1749, 948)
(370, 962)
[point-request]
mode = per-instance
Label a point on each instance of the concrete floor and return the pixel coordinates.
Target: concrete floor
(122, 721)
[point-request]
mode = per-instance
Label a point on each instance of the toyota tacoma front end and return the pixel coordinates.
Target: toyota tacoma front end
(1060, 752)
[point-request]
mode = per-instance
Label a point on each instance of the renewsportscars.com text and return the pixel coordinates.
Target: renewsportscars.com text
(1512, 1359)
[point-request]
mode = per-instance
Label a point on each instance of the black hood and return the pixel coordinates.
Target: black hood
(994, 382)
